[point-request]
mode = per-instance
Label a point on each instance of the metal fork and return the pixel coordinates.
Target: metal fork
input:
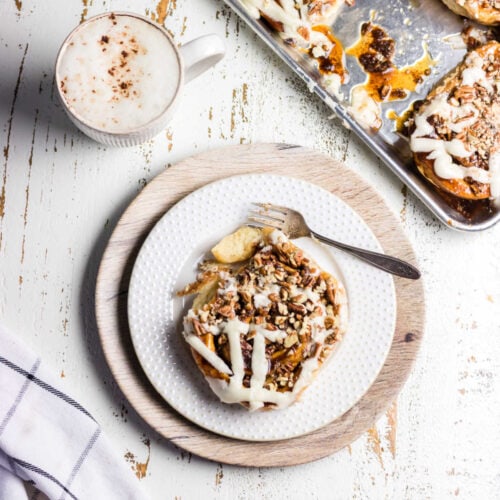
(293, 224)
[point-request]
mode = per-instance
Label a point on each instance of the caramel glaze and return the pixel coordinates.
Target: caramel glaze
(386, 82)
(334, 62)
(400, 120)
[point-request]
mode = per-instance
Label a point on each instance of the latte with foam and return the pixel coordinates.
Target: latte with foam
(118, 73)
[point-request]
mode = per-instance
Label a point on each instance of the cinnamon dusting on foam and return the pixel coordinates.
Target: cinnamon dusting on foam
(118, 72)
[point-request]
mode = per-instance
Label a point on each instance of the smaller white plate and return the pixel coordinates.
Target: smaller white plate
(167, 262)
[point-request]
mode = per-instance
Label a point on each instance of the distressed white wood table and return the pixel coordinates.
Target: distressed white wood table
(61, 194)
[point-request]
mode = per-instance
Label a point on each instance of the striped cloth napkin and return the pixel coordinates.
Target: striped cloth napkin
(49, 444)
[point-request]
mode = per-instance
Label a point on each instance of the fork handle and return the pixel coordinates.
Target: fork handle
(385, 262)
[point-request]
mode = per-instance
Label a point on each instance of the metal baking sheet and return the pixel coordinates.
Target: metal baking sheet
(410, 24)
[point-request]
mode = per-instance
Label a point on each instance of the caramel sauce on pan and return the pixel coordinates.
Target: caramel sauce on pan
(334, 62)
(386, 82)
(400, 120)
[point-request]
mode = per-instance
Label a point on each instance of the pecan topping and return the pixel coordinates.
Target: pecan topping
(286, 305)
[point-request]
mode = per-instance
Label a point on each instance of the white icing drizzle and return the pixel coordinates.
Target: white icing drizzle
(333, 83)
(297, 23)
(228, 284)
(196, 343)
(256, 395)
(262, 299)
(308, 292)
(293, 14)
(272, 335)
(260, 366)
(233, 391)
(468, 117)
(441, 151)
(342, 317)
(235, 325)
(284, 12)
(474, 73)
(234, 328)
(277, 237)
(309, 367)
(365, 109)
(319, 51)
(228, 393)
(454, 147)
(188, 325)
(213, 329)
(318, 331)
(494, 165)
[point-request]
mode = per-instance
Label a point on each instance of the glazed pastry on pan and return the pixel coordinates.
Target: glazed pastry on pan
(483, 11)
(455, 133)
(294, 19)
(259, 332)
(286, 16)
(304, 25)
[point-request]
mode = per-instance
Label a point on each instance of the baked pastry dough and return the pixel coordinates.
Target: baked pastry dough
(304, 24)
(455, 134)
(483, 11)
(260, 332)
(293, 19)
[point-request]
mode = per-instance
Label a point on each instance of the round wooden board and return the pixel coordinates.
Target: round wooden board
(133, 227)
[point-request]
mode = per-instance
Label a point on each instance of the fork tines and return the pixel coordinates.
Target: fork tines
(267, 215)
(268, 207)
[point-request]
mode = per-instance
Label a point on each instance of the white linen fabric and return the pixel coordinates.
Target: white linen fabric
(48, 441)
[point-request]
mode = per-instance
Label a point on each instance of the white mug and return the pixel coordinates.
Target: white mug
(107, 91)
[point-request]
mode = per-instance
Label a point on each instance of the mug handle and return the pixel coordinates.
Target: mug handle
(201, 54)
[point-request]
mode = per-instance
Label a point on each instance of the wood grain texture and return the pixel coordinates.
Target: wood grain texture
(136, 222)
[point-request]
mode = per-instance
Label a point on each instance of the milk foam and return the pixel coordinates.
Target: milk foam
(118, 73)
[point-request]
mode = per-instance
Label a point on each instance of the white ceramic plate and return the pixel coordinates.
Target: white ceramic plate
(167, 262)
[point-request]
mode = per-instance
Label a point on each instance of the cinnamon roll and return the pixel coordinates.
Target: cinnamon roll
(455, 133)
(260, 332)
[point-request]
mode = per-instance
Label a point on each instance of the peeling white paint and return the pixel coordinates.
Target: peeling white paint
(447, 431)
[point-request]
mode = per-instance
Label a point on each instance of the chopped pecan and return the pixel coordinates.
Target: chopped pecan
(330, 295)
(226, 311)
(299, 299)
(198, 328)
(298, 308)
